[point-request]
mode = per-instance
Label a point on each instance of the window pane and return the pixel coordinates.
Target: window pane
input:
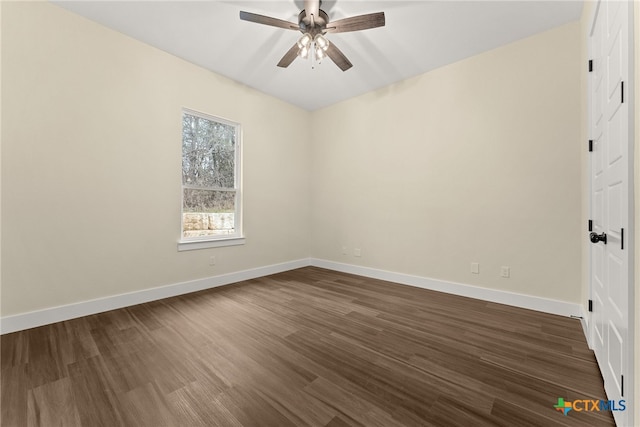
(208, 201)
(208, 213)
(208, 152)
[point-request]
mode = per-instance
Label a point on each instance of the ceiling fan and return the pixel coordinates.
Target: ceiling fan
(314, 23)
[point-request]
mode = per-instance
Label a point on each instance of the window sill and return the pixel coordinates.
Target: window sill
(190, 245)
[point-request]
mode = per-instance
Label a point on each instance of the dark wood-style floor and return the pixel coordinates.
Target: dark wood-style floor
(309, 347)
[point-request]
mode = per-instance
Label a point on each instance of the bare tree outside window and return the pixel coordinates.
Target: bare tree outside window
(210, 193)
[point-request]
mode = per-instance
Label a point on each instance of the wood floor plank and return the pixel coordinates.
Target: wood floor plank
(52, 404)
(259, 412)
(94, 396)
(199, 405)
(308, 347)
(339, 421)
(146, 406)
(13, 399)
(349, 404)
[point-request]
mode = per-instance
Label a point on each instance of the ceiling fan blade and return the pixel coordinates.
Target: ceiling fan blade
(267, 20)
(357, 23)
(311, 7)
(288, 57)
(338, 57)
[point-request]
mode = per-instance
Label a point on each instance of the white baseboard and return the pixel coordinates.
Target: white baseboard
(530, 302)
(46, 316)
(584, 320)
(37, 318)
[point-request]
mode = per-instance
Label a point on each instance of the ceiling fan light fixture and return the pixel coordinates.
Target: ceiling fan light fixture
(319, 53)
(303, 52)
(305, 41)
(321, 42)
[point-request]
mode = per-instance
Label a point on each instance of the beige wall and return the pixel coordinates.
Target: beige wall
(478, 161)
(91, 138)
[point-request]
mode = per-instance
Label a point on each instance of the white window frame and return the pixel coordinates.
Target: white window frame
(237, 238)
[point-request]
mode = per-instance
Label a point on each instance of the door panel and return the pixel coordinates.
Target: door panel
(614, 71)
(614, 202)
(615, 351)
(616, 297)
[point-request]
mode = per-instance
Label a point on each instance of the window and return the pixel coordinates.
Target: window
(211, 214)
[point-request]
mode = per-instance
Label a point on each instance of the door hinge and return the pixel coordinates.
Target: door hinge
(622, 238)
(590, 65)
(590, 305)
(590, 145)
(622, 92)
(590, 225)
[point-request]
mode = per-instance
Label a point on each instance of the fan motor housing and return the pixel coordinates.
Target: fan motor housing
(318, 26)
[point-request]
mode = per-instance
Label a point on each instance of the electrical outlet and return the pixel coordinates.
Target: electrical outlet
(212, 260)
(505, 271)
(475, 267)
(344, 250)
(357, 252)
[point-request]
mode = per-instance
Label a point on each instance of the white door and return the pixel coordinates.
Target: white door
(610, 325)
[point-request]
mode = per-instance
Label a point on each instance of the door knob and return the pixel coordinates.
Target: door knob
(595, 238)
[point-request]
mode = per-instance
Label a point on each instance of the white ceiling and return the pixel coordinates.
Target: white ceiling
(419, 36)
